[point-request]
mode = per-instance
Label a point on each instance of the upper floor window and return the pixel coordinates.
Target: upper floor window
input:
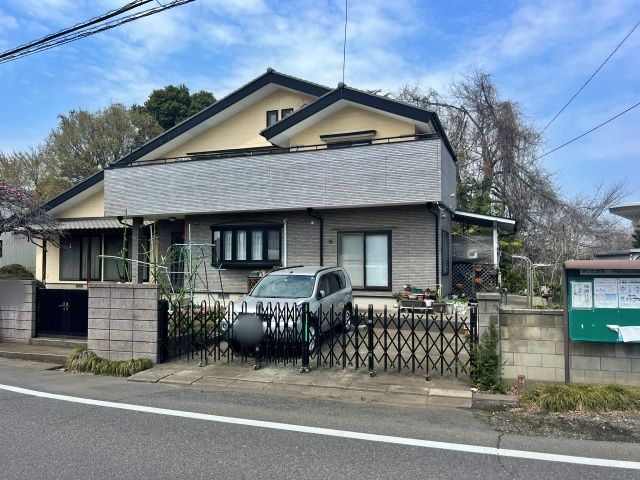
(285, 112)
(272, 117)
(247, 246)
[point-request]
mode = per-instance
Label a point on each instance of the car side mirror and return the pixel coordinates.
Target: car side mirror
(321, 294)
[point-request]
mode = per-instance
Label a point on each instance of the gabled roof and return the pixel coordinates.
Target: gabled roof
(344, 93)
(270, 77)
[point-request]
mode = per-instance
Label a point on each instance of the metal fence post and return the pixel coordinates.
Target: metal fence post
(372, 370)
(259, 351)
(473, 330)
(163, 331)
(305, 368)
(473, 319)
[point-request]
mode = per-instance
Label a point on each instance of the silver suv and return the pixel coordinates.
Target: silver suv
(327, 290)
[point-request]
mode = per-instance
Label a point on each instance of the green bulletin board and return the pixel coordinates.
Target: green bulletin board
(595, 301)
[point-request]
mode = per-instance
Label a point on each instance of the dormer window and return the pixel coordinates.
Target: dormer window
(272, 117)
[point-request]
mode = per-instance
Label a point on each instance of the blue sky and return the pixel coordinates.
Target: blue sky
(539, 53)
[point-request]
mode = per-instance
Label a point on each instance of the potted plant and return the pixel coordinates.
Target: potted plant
(439, 306)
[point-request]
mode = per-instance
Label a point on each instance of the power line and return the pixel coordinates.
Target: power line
(87, 28)
(344, 45)
(588, 131)
(591, 77)
(78, 26)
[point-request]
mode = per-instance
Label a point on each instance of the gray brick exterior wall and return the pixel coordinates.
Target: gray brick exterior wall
(532, 344)
(384, 174)
(449, 178)
(17, 311)
(412, 241)
(123, 321)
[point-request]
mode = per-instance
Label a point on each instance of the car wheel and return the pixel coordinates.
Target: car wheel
(314, 339)
(346, 323)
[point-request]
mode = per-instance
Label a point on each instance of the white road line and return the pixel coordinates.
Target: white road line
(413, 442)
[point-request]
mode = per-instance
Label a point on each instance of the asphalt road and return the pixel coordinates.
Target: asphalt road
(42, 438)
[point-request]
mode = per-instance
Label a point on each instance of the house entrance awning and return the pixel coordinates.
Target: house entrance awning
(106, 223)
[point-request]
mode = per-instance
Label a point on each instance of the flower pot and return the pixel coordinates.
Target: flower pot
(439, 307)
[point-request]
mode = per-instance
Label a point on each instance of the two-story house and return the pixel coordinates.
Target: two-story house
(280, 172)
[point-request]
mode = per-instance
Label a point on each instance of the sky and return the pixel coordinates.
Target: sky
(538, 52)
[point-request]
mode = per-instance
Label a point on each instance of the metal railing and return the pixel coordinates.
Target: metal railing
(387, 340)
(258, 151)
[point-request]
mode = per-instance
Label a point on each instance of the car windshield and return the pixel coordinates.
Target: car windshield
(284, 286)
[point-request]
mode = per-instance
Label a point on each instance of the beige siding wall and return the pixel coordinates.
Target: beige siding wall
(353, 119)
(92, 206)
(243, 129)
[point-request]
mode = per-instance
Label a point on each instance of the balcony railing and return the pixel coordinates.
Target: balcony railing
(256, 151)
(396, 171)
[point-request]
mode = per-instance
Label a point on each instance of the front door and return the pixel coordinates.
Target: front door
(62, 312)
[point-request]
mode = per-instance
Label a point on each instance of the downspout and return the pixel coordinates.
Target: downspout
(284, 243)
(321, 220)
(436, 215)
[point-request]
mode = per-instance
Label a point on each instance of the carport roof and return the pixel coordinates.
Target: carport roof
(505, 224)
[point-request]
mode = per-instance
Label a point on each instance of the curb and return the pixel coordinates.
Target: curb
(493, 400)
(35, 357)
(396, 395)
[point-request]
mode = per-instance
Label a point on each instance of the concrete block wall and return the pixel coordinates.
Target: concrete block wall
(123, 321)
(488, 309)
(532, 344)
(17, 310)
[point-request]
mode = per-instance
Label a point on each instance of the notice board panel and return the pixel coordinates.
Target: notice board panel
(593, 302)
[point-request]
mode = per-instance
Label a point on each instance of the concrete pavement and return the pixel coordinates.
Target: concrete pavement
(335, 384)
(44, 438)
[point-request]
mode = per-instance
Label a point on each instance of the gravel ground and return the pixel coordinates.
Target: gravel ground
(612, 427)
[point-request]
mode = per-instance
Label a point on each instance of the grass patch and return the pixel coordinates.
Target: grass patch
(581, 398)
(83, 360)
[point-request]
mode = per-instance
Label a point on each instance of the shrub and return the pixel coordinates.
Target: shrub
(580, 398)
(486, 369)
(83, 360)
(15, 272)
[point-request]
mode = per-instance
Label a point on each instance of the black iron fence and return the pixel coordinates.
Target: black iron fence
(386, 340)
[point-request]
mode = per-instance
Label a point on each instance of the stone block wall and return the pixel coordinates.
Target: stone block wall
(17, 310)
(532, 344)
(123, 321)
(488, 309)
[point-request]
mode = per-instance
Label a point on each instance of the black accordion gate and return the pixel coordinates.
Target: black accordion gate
(388, 340)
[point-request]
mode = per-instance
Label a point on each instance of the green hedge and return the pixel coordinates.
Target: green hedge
(581, 398)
